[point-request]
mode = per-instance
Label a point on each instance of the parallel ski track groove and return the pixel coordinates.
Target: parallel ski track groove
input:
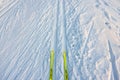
(113, 62)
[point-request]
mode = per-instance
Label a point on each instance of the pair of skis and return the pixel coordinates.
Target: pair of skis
(52, 65)
(59, 5)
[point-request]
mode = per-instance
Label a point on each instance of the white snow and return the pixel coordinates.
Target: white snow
(88, 30)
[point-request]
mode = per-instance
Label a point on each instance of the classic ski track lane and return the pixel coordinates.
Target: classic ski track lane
(55, 47)
(63, 33)
(63, 25)
(54, 35)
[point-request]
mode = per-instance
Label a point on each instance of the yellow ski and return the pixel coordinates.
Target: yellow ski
(51, 64)
(65, 66)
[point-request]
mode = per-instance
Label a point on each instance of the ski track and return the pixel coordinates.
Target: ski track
(54, 35)
(113, 62)
(30, 29)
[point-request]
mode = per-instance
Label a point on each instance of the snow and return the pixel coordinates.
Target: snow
(88, 30)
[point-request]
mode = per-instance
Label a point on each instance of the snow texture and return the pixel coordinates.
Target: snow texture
(88, 30)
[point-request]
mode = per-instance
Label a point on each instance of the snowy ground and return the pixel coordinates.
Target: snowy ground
(89, 30)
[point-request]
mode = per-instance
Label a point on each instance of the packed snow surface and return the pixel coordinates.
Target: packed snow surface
(88, 30)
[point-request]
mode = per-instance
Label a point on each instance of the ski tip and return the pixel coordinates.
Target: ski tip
(52, 51)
